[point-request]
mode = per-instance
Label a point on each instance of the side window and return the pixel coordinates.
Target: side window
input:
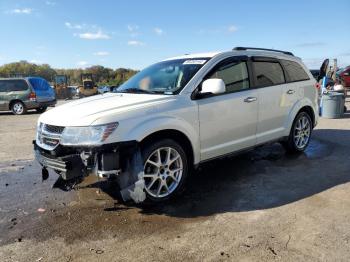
(268, 73)
(3, 87)
(234, 74)
(16, 85)
(294, 71)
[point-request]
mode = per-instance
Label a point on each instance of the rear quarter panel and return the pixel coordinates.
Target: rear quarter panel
(306, 96)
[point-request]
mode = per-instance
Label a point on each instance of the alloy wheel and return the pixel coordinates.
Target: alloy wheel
(163, 171)
(302, 132)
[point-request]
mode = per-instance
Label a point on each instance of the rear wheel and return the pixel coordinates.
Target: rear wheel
(41, 109)
(18, 108)
(300, 134)
(165, 169)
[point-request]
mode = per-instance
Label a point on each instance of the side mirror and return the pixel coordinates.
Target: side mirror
(213, 86)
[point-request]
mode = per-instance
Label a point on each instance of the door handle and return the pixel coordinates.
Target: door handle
(290, 91)
(250, 99)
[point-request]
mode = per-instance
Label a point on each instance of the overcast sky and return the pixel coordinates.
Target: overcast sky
(134, 34)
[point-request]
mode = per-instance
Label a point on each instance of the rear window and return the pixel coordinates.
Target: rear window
(39, 84)
(88, 85)
(13, 85)
(294, 71)
(268, 73)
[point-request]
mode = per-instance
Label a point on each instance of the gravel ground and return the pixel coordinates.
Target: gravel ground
(259, 206)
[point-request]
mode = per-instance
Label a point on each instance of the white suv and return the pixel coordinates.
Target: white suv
(177, 114)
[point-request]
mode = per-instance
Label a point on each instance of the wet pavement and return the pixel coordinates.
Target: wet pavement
(262, 205)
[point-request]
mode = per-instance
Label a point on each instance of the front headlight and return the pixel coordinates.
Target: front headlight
(38, 126)
(89, 135)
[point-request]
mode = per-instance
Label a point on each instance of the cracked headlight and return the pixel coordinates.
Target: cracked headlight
(88, 135)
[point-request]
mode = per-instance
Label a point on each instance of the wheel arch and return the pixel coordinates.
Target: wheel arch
(301, 106)
(309, 111)
(14, 101)
(174, 134)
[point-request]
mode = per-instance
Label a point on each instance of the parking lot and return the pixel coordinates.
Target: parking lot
(261, 205)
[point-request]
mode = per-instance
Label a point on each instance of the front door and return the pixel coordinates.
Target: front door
(270, 81)
(228, 121)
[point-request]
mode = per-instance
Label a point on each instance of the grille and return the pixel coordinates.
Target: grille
(49, 136)
(54, 129)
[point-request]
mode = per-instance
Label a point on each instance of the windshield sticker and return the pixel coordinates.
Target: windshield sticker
(194, 62)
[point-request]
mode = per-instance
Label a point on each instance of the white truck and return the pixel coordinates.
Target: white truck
(178, 113)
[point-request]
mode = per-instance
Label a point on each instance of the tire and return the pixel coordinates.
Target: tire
(300, 134)
(41, 109)
(164, 179)
(18, 108)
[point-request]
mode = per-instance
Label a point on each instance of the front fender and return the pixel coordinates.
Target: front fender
(149, 126)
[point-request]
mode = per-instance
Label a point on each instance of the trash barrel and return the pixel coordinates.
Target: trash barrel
(333, 105)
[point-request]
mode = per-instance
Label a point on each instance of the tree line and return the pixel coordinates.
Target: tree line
(102, 75)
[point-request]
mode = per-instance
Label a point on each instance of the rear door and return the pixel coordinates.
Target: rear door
(14, 89)
(4, 103)
(296, 87)
(270, 82)
(228, 121)
(43, 91)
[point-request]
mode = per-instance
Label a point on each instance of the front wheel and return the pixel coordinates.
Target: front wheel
(165, 169)
(300, 134)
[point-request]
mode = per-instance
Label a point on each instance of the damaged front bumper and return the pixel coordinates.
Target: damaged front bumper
(121, 161)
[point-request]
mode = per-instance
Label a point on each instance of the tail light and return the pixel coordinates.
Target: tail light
(32, 96)
(317, 86)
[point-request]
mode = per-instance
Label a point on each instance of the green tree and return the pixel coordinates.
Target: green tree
(102, 75)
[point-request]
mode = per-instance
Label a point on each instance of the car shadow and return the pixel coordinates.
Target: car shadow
(261, 179)
(8, 113)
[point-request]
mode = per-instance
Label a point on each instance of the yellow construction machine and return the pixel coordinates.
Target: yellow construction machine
(61, 87)
(88, 87)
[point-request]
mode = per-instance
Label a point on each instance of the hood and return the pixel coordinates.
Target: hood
(84, 112)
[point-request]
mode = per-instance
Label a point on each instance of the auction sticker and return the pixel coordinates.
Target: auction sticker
(194, 62)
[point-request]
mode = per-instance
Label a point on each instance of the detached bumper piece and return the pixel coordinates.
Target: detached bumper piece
(120, 160)
(68, 167)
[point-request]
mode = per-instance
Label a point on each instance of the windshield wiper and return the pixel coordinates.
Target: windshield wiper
(135, 91)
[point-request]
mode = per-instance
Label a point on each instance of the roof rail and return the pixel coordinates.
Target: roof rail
(241, 48)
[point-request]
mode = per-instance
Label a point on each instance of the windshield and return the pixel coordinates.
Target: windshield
(168, 77)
